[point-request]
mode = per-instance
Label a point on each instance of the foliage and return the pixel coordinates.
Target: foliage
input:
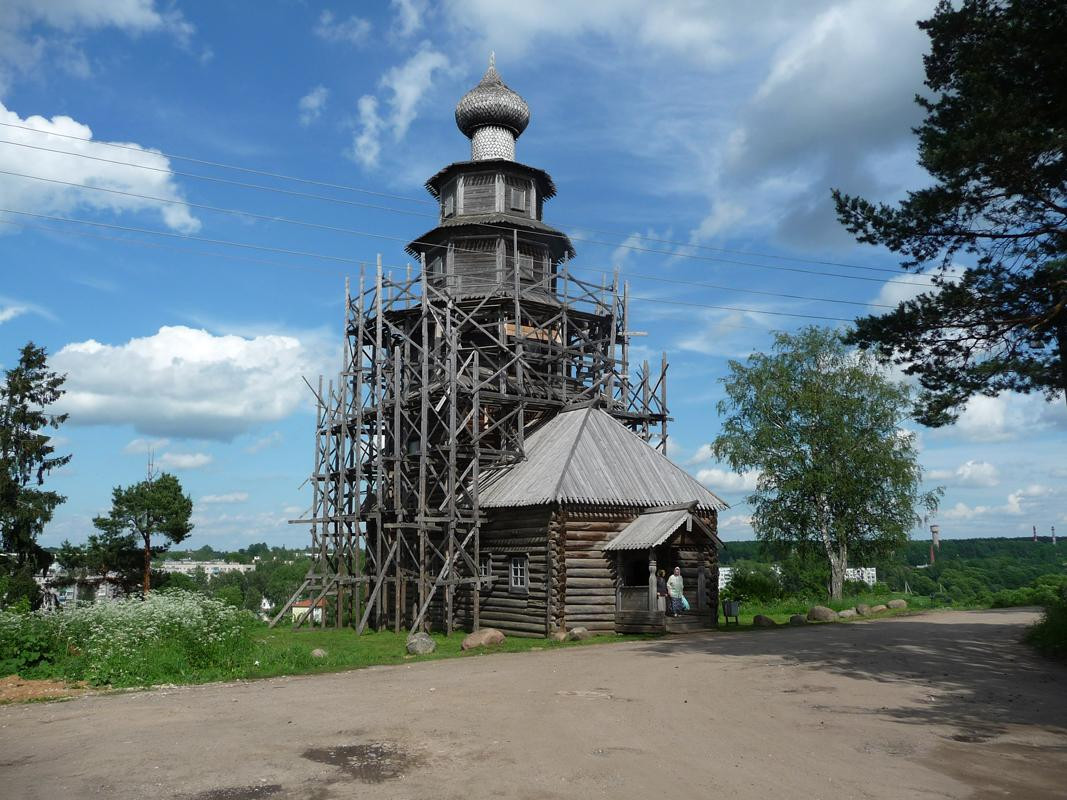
(26, 457)
(993, 140)
(1049, 635)
(752, 581)
(1043, 591)
(169, 636)
(153, 507)
(822, 427)
(184, 637)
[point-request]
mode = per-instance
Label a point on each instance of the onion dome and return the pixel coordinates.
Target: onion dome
(492, 103)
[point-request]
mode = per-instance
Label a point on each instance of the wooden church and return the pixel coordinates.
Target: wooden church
(490, 456)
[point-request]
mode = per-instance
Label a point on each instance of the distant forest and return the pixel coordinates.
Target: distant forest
(965, 571)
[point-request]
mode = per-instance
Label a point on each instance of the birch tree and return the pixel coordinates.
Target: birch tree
(822, 426)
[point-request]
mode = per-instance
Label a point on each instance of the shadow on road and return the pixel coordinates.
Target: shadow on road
(980, 678)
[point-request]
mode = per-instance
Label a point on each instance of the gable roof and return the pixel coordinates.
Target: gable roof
(587, 456)
(656, 526)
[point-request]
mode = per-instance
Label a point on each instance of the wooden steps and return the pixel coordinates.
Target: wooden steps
(657, 622)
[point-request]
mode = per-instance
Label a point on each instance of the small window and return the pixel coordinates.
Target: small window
(485, 567)
(435, 266)
(518, 199)
(450, 205)
(520, 578)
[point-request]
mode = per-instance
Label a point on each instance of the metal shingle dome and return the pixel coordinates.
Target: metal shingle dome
(491, 102)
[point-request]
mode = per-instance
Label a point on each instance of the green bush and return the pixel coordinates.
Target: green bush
(173, 636)
(1043, 591)
(753, 583)
(1050, 634)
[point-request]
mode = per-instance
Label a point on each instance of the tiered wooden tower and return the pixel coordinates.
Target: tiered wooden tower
(448, 367)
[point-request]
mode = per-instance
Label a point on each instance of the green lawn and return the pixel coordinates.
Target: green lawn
(283, 651)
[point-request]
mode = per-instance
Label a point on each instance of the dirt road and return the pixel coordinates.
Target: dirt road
(939, 705)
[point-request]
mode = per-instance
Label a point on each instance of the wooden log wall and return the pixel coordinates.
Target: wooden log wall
(588, 576)
(509, 533)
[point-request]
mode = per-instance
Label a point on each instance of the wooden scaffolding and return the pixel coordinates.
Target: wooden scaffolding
(439, 389)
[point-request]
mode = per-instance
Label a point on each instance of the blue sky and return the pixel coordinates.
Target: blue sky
(712, 131)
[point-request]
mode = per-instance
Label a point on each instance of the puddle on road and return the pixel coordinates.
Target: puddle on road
(372, 763)
(254, 792)
(972, 737)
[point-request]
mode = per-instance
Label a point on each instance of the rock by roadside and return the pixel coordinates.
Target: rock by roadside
(821, 614)
(420, 644)
(482, 637)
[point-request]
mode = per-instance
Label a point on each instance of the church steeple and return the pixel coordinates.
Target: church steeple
(490, 237)
(492, 116)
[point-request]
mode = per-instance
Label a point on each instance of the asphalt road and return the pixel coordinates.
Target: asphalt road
(936, 705)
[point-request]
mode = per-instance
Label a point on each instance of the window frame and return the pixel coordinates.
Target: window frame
(522, 561)
(448, 206)
(521, 192)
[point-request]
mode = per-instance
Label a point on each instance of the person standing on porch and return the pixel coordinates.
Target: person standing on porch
(661, 591)
(675, 589)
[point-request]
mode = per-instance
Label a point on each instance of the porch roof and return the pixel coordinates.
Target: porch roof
(654, 527)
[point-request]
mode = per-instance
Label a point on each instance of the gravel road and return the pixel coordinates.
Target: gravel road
(941, 705)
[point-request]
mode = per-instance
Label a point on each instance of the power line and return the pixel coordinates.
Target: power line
(408, 198)
(390, 209)
(249, 170)
(306, 254)
(351, 231)
(248, 259)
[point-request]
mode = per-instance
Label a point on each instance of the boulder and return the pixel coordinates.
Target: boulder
(797, 619)
(897, 603)
(863, 609)
(848, 613)
(482, 637)
(559, 636)
(420, 644)
(821, 614)
(579, 633)
(763, 621)
(878, 609)
(318, 654)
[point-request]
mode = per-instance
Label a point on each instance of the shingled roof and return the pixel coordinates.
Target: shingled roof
(587, 456)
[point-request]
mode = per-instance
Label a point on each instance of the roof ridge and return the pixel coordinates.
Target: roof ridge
(663, 456)
(570, 455)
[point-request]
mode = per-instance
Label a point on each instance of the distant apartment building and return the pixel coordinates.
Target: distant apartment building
(210, 568)
(869, 575)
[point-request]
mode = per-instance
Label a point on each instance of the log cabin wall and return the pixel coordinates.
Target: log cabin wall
(522, 532)
(587, 576)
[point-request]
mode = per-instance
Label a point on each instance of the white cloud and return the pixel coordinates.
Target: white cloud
(702, 455)
(726, 481)
(699, 31)
(8, 313)
(51, 198)
(353, 30)
(184, 460)
(221, 499)
(735, 522)
(182, 382)
(409, 16)
(1017, 503)
(1007, 417)
(139, 447)
(980, 474)
(835, 109)
(312, 104)
(264, 442)
(24, 46)
(404, 86)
